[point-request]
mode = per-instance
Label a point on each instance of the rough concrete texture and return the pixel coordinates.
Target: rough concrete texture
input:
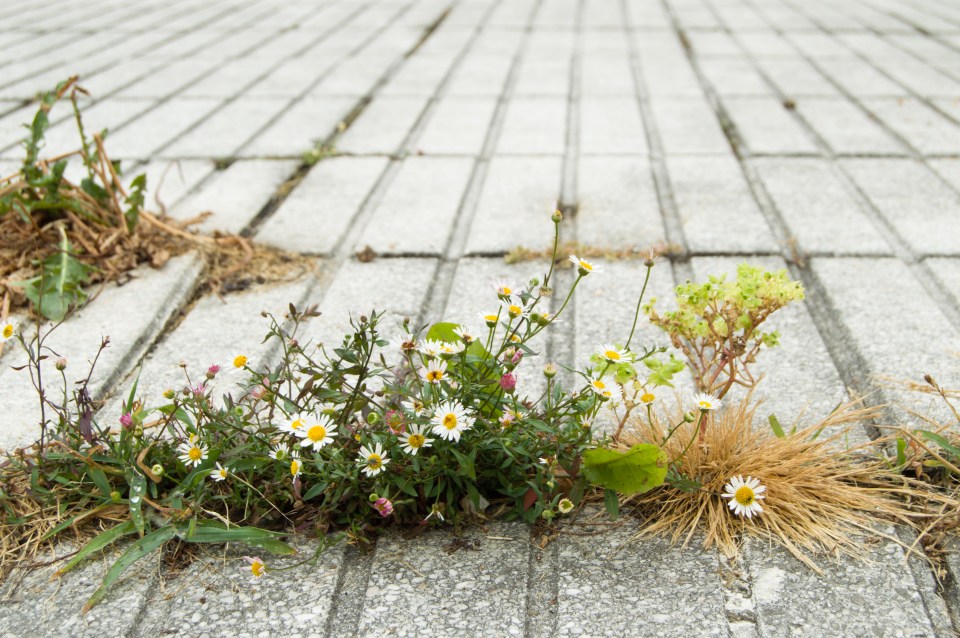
(818, 136)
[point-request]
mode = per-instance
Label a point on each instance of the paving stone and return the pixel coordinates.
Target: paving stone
(708, 189)
(293, 77)
(235, 195)
(767, 128)
(420, 75)
(600, 14)
(918, 76)
(315, 216)
(817, 209)
(885, 308)
(948, 169)
(712, 44)
(216, 595)
(605, 66)
(950, 106)
(846, 129)
(515, 204)
(557, 13)
(879, 597)
(214, 332)
(598, 592)
(688, 126)
(458, 126)
(224, 132)
(357, 75)
(418, 211)
(819, 45)
(484, 591)
(618, 205)
(512, 14)
(155, 294)
(545, 67)
(300, 128)
(925, 130)
(168, 80)
(765, 45)
(39, 604)
(169, 181)
(153, 130)
(232, 78)
(859, 78)
(383, 125)
(795, 77)
(611, 125)
(643, 14)
(534, 126)
(947, 272)
(918, 205)
(666, 71)
(481, 73)
(734, 76)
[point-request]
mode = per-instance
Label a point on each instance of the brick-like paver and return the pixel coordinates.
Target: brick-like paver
(815, 136)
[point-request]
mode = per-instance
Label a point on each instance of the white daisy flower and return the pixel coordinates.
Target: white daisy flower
(435, 372)
(317, 432)
(490, 318)
(219, 473)
(513, 306)
(510, 418)
(452, 348)
(295, 424)
(565, 506)
(466, 335)
(606, 390)
(503, 288)
(237, 364)
(8, 330)
(257, 568)
(279, 453)
(404, 343)
(296, 466)
(584, 267)
(745, 496)
(706, 401)
(414, 439)
(372, 459)
(450, 421)
(192, 452)
(414, 405)
(612, 353)
(430, 347)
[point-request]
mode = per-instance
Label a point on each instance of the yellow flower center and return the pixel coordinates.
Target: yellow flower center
(450, 421)
(257, 568)
(706, 405)
(434, 375)
(8, 331)
(416, 440)
(195, 454)
(745, 496)
(239, 361)
(222, 473)
(294, 467)
(514, 310)
(317, 433)
(490, 318)
(374, 461)
(598, 384)
(296, 424)
(613, 355)
(515, 338)
(506, 290)
(647, 397)
(585, 265)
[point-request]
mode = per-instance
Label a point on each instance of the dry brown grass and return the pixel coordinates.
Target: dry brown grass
(821, 497)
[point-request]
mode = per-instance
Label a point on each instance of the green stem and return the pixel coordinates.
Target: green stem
(636, 315)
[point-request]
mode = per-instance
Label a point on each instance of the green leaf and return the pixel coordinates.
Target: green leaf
(612, 502)
(638, 470)
(901, 452)
(135, 552)
(58, 287)
(99, 542)
(776, 427)
(138, 487)
(216, 532)
(942, 441)
(100, 480)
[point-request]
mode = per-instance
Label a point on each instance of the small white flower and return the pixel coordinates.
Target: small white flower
(745, 496)
(404, 343)
(414, 405)
(192, 452)
(430, 347)
(257, 568)
(452, 348)
(490, 319)
(295, 424)
(503, 288)
(606, 390)
(612, 353)
(280, 453)
(296, 466)
(237, 364)
(513, 306)
(450, 421)
(8, 330)
(584, 267)
(317, 432)
(435, 372)
(706, 401)
(219, 473)
(414, 439)
(565, 506)
(372, 459)
(467, 335)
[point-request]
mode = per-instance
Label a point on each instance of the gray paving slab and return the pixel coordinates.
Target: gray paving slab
(517, 198)
(688, 126)
(235, 195)
(156, 295)
(710, 188)
(534, 125)
(734, 76)
(859, 78)
(795, 77)
(382, 126)
(417, 213)
(482, 73)
(611, 125)
(922, 127)
(817, 209)
(458, 126)
(846, 129)
(153, 130)
(605, 66)
(913, 200)
(224, 132)
(299, 129)
(767, 127)
(617, 193)
(314, 218)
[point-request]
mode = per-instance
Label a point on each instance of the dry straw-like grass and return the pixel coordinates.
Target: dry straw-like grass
(821, 495)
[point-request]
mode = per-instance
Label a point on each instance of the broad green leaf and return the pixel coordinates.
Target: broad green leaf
(639, 469)
(612, 502)
(100, 541)
(943, 442)
(135, 552)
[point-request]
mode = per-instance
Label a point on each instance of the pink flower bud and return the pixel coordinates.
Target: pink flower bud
(384, 507)
(508, 382)
(212, 371)
(126, 420)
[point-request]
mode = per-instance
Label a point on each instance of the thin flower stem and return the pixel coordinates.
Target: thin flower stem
(636, 315)
(696, 434)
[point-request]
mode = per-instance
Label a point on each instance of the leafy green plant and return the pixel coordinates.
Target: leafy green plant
(717, 324)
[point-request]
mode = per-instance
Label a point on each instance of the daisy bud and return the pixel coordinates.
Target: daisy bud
(550, 370)
(534, 282)
(547, 515)
(689, 417)
(384, 507)
(126, 420)
(557, 216)
(115, 496)
(517, 356)
(508, 382)
(157, 469)
(374, 497)
(168, 394)
(648, 262)
(61, 364)
(546, 291)
(212, 371)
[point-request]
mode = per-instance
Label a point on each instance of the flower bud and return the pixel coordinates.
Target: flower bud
(557, 216)
(157, 469)
(546, 291)
(508, 383)
(126, 420)
(61, 364)
(550, 370)
(168, 394)
(384, 507)
(115, 496)
(212, 371)
(373, 497)
(547, 515)
(689, 417)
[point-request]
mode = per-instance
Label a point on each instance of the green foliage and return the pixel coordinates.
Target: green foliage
(717, 324)
(638, 470)
(59, 286)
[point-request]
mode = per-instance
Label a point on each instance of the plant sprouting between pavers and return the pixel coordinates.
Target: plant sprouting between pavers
(426, 430)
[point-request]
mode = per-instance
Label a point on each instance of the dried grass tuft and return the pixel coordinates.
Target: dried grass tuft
(821, 497)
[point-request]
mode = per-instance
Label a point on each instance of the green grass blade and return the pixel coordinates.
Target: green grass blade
(135, 552)
(102, 540)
